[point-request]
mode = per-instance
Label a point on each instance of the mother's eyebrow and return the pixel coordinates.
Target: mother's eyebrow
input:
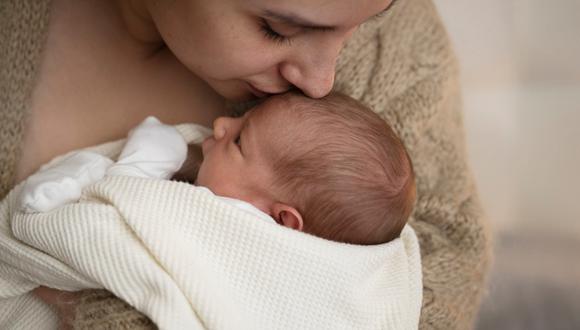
(295, 20)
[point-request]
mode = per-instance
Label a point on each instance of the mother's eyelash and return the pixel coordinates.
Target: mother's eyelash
(272, 35)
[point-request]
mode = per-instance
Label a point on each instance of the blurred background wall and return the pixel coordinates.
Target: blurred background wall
(521, 85)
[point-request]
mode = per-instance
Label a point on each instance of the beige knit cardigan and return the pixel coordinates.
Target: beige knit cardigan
(401, 65)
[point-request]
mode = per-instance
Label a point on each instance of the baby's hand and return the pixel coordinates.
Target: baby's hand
(153, 150)
(62, 182)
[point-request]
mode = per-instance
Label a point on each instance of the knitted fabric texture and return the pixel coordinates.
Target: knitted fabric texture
(190, 260)
(404, 68)
(23, 26)
(401, 65)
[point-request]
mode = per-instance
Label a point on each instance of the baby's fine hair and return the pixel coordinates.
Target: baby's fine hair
(346, 172)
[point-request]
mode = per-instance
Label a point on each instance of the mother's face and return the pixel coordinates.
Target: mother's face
(250, 48)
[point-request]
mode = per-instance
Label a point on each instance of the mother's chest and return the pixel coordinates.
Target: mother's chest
(93, 88)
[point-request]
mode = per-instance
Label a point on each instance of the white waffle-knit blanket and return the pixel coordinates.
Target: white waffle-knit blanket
(189, 260)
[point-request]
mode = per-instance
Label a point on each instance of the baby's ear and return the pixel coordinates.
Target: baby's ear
(287, 216)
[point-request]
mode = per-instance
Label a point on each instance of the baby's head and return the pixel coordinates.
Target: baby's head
(330, 167)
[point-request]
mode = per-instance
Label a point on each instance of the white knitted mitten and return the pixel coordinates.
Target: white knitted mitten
(62, 181)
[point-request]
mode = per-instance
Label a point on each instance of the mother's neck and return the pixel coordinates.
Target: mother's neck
(138, 20)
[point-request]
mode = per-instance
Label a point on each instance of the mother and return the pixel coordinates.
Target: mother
(78, 73)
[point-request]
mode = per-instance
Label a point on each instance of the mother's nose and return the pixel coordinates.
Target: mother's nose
(312, 68)
(315, 82)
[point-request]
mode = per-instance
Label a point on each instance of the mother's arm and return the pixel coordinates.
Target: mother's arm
(403, 67)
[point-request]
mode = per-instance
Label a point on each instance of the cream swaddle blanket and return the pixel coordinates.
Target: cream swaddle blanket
(190, 260)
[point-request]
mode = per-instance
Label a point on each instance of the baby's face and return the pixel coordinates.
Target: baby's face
(234, 158)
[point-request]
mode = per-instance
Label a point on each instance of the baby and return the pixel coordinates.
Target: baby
(216, 254)
(329, 167)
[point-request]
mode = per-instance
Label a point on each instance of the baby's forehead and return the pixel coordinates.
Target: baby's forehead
(285, 105)
(275, 121)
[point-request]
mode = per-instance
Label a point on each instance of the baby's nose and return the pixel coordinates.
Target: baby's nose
(219, 127)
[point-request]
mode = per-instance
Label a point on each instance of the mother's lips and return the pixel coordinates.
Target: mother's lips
(260, 93)
(257, 93)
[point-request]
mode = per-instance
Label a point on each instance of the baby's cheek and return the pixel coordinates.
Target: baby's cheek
(200, 180)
